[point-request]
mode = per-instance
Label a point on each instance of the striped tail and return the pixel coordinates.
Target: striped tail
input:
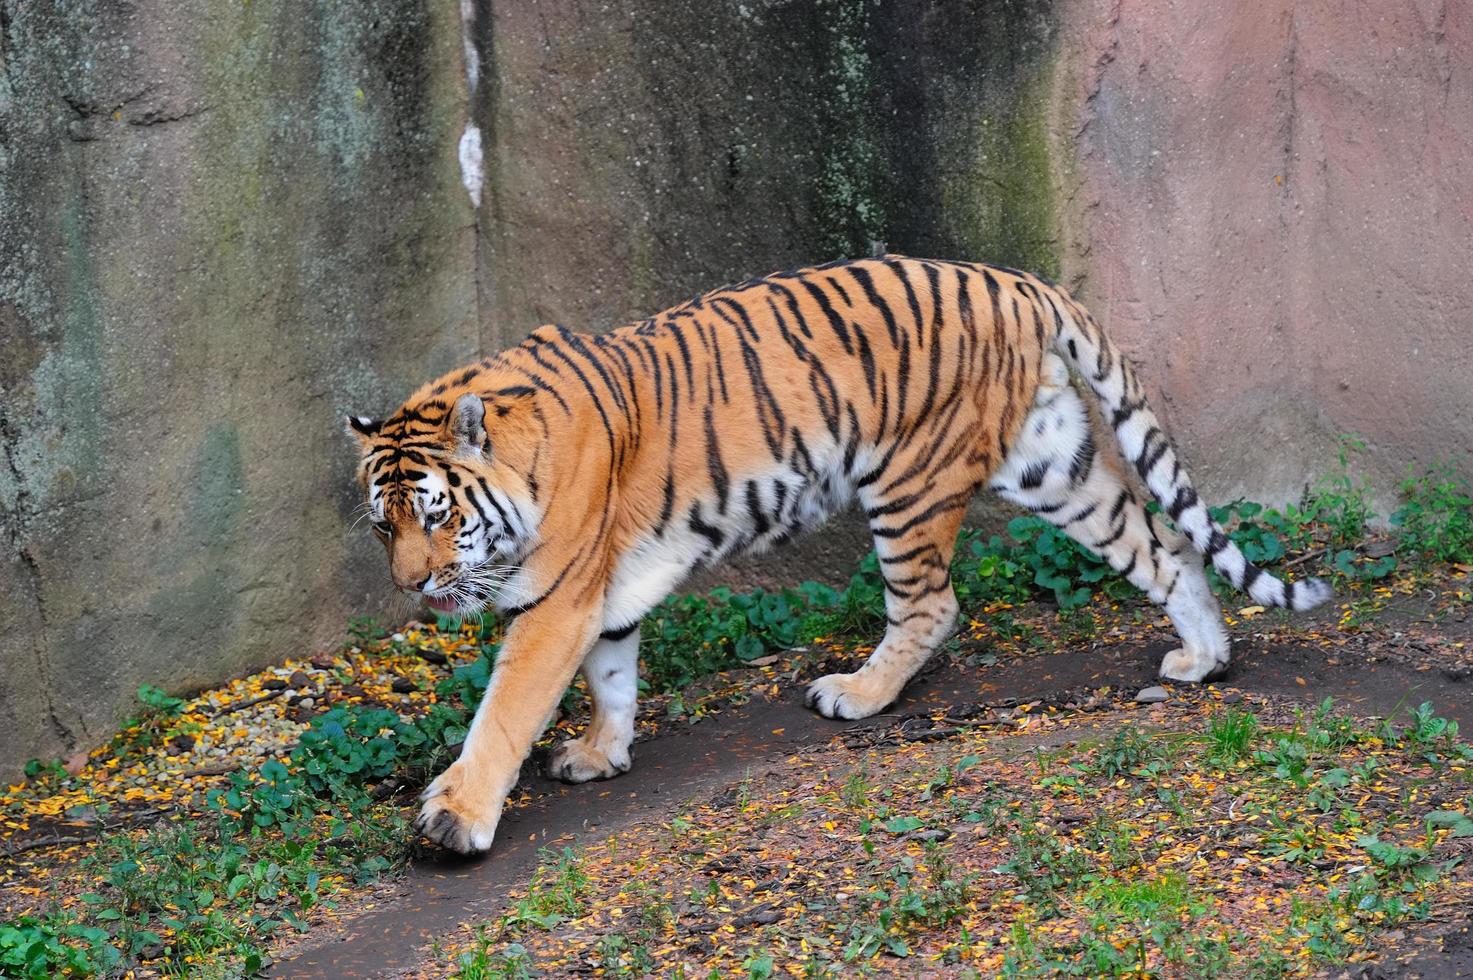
(1081, 341)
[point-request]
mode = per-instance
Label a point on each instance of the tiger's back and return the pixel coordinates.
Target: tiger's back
(750, 414)
(595, 472)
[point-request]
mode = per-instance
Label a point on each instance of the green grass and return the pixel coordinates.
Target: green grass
(1230, 735)
(559, 889)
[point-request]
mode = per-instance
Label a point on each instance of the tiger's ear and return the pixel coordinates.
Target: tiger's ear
(362, 428)
(468, 423)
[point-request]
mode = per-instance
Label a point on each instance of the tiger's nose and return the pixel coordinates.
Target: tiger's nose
(405, 583)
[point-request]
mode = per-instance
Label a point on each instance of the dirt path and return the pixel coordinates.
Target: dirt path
(438, 895)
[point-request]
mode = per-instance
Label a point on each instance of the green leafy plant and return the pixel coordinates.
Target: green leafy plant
(160, 702)
(1127, 751)
(1458, 822)
(1436, 518)
(1061, 565)
(558, 892)
(1399, 865)
(1339, 500)
(41, 948)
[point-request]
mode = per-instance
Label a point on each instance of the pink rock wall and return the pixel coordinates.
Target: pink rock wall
(1272, 210)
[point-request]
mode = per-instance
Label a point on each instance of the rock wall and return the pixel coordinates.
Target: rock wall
(221, 226)
(1273, 211)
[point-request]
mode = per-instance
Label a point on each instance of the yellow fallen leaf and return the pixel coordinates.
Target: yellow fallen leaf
(1248, 612)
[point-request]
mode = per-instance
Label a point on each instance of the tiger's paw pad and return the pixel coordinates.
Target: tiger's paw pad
(454, 817)
(845, 696)
(1181, 665)
(580, 761)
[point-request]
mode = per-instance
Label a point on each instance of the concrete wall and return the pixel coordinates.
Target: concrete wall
(223, 225)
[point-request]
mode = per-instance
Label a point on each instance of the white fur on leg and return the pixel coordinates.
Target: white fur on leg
(1198, 620)
(611, 671)
(1188, 667)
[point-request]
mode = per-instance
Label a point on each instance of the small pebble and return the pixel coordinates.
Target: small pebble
(274, 684)
(1232, 697)
(1152, 695)
(299, 679)
(402, 685)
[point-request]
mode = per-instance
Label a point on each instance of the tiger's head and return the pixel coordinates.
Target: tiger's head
(454, 519)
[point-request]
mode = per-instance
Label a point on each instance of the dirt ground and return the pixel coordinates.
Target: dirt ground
(773, 747)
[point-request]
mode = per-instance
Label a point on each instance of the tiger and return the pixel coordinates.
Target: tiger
(573, 481)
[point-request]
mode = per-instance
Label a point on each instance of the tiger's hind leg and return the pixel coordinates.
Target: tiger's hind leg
(915, 535)
(1055, 471)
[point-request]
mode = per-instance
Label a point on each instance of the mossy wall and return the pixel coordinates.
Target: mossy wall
(221, 226)
(643, 152)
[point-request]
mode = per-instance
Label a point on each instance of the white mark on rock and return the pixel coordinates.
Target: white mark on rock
(470, 162)
(467, 38)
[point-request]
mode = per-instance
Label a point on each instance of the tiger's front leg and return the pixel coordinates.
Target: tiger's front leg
(543, 648)
(611, 672)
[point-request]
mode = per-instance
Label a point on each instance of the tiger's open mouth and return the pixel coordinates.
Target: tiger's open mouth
(442, 603)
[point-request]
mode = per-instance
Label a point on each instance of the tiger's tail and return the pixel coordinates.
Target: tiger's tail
(1079, 339)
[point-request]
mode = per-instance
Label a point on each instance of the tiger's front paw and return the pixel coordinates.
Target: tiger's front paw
(847, 696)
(460, 812)
(578, 760)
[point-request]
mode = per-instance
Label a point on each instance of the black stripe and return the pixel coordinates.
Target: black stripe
(862, 277)
(698, 525)
(620, 632)
(1114, 536)
(1185, 497)
(719, 478)
(835, 321)
(1082, 514)
(1032, 477)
